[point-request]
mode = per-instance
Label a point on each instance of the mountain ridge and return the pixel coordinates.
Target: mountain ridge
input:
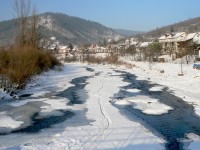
(190, 25)
(67, 29)
(128, 33)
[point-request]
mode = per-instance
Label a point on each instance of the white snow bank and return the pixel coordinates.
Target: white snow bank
(8, 122)
(109, 128)
(195, 144)
(4, 95)
(133, 90)
(146, 104)
(156, 88)
(186, 87)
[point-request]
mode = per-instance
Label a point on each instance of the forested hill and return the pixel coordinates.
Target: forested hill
(191, 25)
(66, 29)
(128, 33)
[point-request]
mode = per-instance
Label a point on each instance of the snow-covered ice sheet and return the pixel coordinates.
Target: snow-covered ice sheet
(146, 104)
(8, 122)
(195, 141)
(108, 129)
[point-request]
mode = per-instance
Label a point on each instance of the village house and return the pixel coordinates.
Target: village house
(175, 43)
(142, 49)
(196, 40)
(169, 42)
(97, 49)
(63, 50)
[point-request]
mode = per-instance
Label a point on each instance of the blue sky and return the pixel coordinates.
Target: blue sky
(140, 15)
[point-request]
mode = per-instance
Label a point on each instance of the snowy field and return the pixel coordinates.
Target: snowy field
(97, 108)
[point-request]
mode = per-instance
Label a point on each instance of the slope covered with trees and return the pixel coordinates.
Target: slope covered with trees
(191, 25)
(66, 29)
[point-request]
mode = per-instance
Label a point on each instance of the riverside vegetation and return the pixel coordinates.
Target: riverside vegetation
(25, 57)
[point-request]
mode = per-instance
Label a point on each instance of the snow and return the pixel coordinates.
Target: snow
(190, 36)
(195, 141)
(167, 58)
(156, 88)
(133, 90)
(178, 34)
(108, 128)
(8, 122)
(4, 95)
(146, 104)
(196, 39)
(185, 87)
(144, 44)
(162, 37)
(116, 130)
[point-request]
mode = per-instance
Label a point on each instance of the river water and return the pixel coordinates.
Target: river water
(172, 126)
(30, 112)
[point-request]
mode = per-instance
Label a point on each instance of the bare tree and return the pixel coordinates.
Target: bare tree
(22, 11)
(154, 51)
(35, 34)
(26, 23)
(131, 51)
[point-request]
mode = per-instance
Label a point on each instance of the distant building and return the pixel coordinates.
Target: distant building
(175, 43)
(169, 41)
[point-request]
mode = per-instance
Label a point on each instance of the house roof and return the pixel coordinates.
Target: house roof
(190, 36)
(179, 37)
(196, 38)
(162, 37)
(143, 44)
(134, 43)
(63, 47)
(179, 34)
(173, 37)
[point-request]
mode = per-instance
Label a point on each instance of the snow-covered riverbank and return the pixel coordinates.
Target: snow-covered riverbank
(186, 87)
(96, 123)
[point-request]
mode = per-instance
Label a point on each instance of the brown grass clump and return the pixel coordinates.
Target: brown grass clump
(19, 64)
(109, 59)
(112, 59)
(95, 60)
(128, 66)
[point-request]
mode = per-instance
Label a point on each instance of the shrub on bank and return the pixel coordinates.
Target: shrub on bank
(19, 64)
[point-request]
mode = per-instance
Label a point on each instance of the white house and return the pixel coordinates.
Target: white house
(169, 41)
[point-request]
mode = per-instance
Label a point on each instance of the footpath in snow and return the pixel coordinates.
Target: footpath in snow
(100, 107)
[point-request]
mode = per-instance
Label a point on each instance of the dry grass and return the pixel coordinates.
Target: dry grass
(19, 64)
(95, 60)
(109, 59)
(128, 66)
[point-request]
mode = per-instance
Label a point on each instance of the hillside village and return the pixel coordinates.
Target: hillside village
(175, 45)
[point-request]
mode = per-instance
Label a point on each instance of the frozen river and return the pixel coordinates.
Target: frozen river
(173, 125)
(96, 107)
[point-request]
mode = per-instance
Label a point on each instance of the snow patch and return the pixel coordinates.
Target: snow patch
(146, 104)
(8, 122)
(4, 95)
(156, 88)
(195, 144)
(133, 90)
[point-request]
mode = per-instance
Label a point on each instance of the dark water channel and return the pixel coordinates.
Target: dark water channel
(71, 92)
(172, 126)
(30, 112)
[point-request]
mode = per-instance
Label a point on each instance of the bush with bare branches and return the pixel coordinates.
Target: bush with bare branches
(19, 64)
